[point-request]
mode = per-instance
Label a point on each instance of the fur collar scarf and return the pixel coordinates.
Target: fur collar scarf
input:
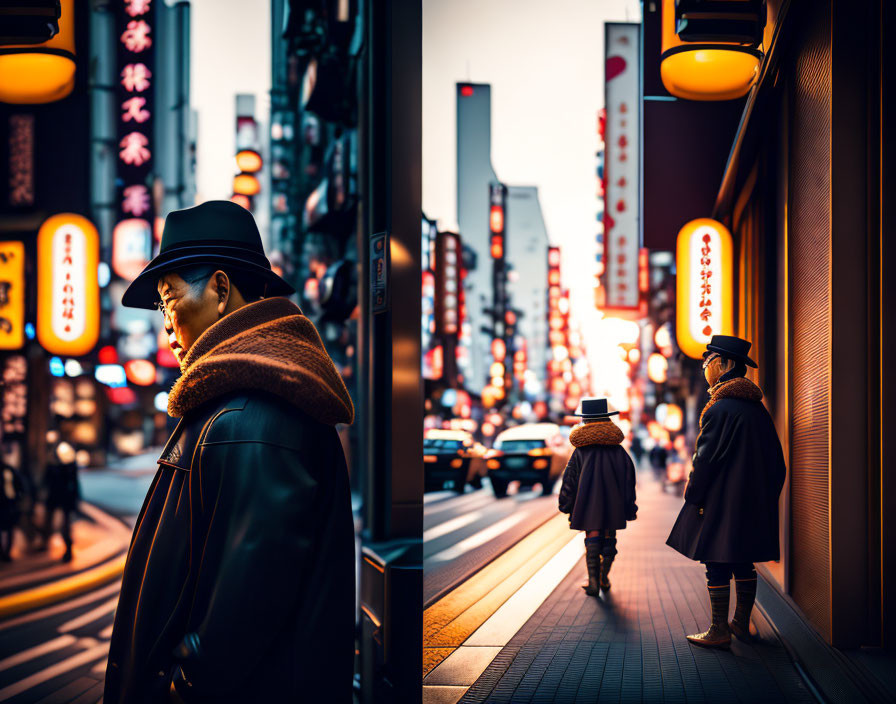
(597, 433)
(735, 388)
(267, 345)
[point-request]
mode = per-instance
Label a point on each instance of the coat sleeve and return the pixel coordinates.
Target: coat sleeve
(631, 508)
(710, 445)
(258, 502)
(570, 485)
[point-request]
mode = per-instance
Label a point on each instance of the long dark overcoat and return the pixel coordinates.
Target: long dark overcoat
(241, 568)
(738, 474)
(598, 489)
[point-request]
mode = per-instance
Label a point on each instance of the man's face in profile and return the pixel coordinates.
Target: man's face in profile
(188, 311)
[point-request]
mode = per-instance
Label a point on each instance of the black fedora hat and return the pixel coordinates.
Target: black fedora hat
(214, 232)
(731, 347)
(595, 408)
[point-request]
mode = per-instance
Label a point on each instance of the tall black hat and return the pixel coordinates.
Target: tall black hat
(595, 408)
(731, 347)
(214, 232)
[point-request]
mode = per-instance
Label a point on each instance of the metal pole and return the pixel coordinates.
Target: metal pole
(392, 569)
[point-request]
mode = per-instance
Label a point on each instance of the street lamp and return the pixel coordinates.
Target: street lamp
(44, 71)
(711, 50)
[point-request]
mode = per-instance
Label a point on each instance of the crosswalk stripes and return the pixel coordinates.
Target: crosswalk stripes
(77, 643)
(477, 539)
(36, 652)
(46, 674)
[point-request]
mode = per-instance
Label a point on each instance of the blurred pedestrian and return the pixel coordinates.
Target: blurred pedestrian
(598, 489)
(63, 494)
(730, 516)
(240, 581)
(659, 457)
(637, 449)
(11, 489)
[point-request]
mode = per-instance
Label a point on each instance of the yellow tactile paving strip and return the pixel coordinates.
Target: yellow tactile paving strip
(454, 617)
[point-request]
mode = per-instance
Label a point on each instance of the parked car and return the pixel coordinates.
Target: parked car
(534, 453)
(451, 456)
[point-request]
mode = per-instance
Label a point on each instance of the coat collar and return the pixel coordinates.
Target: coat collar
(263, 346)
(741, 388)
(599, 433)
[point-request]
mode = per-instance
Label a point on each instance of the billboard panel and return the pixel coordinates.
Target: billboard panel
(622, 166)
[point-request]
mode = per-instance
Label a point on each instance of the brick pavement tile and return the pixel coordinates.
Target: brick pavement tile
(630, 646)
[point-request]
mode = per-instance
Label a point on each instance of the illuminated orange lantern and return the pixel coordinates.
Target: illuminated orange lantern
(496, 219)
(241, 200)
(704, 289)
(657, 366)
(246, 185)
(41, 73)
(714, 70)
(141, 372)
(248, 161)
(12, 293)
(68, 293)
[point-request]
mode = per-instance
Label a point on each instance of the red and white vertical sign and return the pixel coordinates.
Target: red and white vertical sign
(135, 92)
(622, 166)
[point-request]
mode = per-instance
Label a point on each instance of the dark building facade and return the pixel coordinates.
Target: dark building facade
(807, 194)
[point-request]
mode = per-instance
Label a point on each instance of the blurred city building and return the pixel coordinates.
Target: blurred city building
(523, 253)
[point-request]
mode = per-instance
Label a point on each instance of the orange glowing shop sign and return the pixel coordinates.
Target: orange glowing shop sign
(68, 320)
(704, 291)
(12, 295)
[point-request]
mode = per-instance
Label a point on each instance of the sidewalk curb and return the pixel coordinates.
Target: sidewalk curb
(55, 591)
(111, 568)
(828, 672)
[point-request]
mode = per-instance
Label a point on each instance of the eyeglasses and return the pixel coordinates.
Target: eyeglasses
(160, 306)
(709, 359)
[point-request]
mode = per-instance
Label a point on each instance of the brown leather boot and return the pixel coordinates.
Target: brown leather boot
(592, 561)
(605, 564)
(745, 591)
(718, 635)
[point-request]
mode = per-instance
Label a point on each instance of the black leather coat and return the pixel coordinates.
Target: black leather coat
(598, 489)
(738, 474)
(239, 583)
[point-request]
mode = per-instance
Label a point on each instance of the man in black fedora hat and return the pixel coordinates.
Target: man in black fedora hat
(598, 489)
(730, 516)
(239, 582)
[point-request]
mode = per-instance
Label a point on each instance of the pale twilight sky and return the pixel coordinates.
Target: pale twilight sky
(231, 54)
(544, 61)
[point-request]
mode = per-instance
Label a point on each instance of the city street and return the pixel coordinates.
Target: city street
(520, 628)
(58, 653)
(464, 533)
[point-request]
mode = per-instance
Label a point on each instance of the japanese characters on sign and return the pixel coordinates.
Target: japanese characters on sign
(558, 324)
(135, 22)
(704, 269)
(12, 295)
(621, 218)
(14, 409)
(447, 283)
(21, 160)
(68, 320)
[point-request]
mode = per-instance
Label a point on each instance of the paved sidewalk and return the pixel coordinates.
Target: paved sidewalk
(33, 579)
(630, 646)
